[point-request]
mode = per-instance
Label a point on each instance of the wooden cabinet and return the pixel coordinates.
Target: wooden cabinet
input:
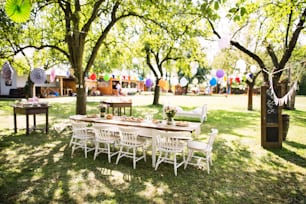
(271, 120)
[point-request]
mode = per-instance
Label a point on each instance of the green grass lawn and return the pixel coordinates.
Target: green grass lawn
(39, 169)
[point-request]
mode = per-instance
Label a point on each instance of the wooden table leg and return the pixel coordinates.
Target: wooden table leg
(47, 122)
(34, 120)
(15, 122)
(27, 124)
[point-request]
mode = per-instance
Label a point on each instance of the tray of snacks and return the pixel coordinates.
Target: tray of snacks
(92, 116)
(132, 119)
(157, 121)
(182, 123)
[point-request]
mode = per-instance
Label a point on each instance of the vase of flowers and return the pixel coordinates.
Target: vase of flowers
(103, 109)
(170, 112)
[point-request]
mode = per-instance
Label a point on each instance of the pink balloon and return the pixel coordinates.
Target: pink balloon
(52, 75)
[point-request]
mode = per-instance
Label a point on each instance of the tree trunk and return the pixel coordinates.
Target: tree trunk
(250, 96)
(156, 93)
(81, 101)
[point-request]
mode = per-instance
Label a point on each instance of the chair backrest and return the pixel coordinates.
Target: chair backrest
(204, 110)
(103, 132)
(79, 129)
(171, 140)
(128, 135)
(212, 136)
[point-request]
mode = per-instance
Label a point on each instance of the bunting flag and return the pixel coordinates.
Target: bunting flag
(38, 76)
(285, 99)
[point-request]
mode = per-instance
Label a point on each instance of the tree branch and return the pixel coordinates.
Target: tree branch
(20, 49)
(288, 27)
(93, 16)
(252, 55)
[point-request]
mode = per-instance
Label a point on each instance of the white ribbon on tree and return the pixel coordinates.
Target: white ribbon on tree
(285, 99)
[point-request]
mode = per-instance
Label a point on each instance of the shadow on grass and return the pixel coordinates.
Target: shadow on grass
(39, 169)
(289, 155)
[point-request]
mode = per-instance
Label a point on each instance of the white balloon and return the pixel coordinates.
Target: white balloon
(213, 72)
(241, 65)
(253, 68)
(183, 81)
(194, 67)
(195, 81)
(224, 42)
(174, 80)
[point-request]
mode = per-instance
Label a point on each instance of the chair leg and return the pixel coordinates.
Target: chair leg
(175, 166)
(85, 149)
(207, 163)
(158, 160)
(72, 151)
(190, 153)
(119, 155)
(71, 142)
(97, 146)
(144, 153)
(134, 158)
(108, 153)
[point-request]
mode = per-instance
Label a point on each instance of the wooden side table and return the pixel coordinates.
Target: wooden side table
(119, 105)
(32, 110)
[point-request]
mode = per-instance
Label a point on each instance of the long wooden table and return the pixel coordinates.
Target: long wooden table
(119, 105)
(146, 128)
(32, 110)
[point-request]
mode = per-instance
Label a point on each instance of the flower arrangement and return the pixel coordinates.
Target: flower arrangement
(103, 109)
(170, 111)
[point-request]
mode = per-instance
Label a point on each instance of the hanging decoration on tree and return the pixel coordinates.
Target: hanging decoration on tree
(224, 42)
(285, 99)
(213, 82)
(183, 81)
(93, 76)
(106, 77)
(149, 83)
(52, 75)
(194, 68)
(18, 10)
(7, 71)
(253, 68)
(38, 76)
(220, 73)
(241, 65)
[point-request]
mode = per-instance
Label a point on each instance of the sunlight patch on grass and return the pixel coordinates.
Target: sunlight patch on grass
(84, 183)
(119, 179)
(152, 192)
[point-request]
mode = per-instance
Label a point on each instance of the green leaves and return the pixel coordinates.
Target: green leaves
(18, 10)
(237, 12)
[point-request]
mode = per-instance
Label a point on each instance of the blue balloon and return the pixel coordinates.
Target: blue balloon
(213, 81)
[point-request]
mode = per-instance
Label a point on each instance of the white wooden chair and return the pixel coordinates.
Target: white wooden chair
(202, 147)
(108, 137)
(169, 145)
(129, 140)
(81, 137)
